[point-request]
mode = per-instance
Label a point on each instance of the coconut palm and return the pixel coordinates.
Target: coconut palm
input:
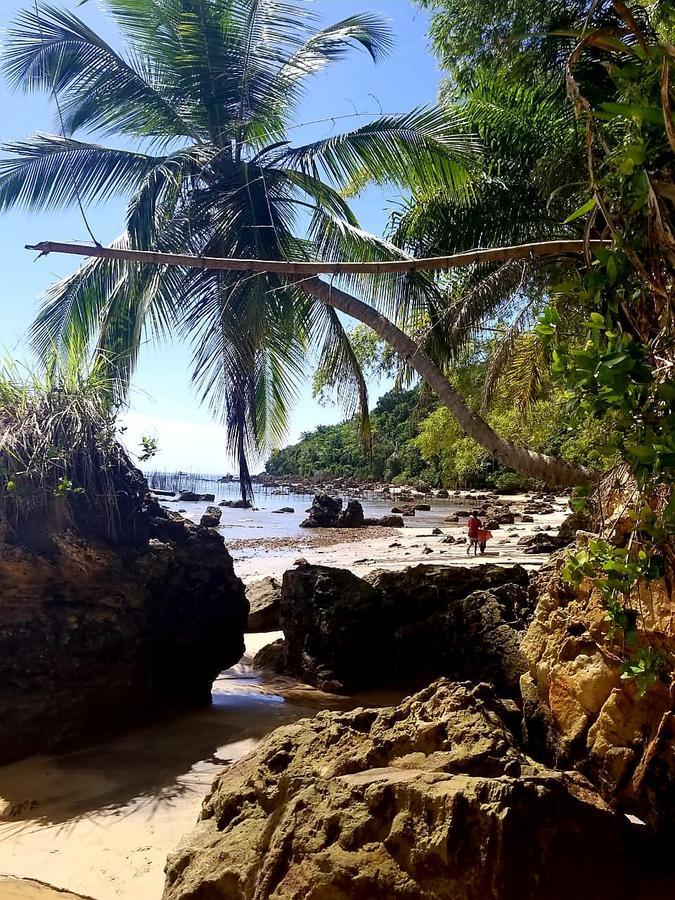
(203, 102)
(530, 186)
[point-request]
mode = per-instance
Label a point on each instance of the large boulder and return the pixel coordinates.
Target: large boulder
(194, 497)
(327, 512)
(236, 504)
(344, 633)
(323, 513)
(391, 521)
(430, 800)
(580, 711)
(96, 636)
(351, 516)
(264, 598)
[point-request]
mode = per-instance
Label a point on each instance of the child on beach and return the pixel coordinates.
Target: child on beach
(478, 536)
(475, 525)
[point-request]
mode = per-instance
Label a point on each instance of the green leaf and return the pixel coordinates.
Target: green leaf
(651, 114)
(642, 452)
(577, 214)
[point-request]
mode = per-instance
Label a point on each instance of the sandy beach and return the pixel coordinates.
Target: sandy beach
(395, 548)
(100, 822)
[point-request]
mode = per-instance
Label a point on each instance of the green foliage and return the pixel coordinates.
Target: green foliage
(149, 448)
(58, 444)
(624, 371)
(544, 426)
(338, 450)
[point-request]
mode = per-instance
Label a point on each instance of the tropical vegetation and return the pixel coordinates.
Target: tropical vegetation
(208, 109)
(61, 462)
(205, 99)
(604, 332)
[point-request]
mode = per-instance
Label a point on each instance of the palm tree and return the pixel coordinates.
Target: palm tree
(204, 102)
(530, 186)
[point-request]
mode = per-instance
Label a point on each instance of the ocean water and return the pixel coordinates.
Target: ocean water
(256, 527)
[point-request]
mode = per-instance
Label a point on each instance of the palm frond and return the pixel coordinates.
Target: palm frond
(503, 355)
(528, 371)
(425, 147)
(332, 43)
(489, 292)
(339, 367)
(49, 172)
(52, 49)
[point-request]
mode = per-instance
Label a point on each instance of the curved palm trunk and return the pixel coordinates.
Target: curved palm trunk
(536, 465)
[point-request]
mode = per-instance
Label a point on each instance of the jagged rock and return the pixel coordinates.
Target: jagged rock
(430, 800)
(352, 516)
(403, 628)
(448, 540)
(96, 637)
(580, 711)
(236, 504)
(442, 494)
(263, 597)
(192, 497)
(539, 543)
(502, 515)
(271, 657)
(327, 512)
(408, 512)
(397, 510)
(492, 525)
(538, 509)
(211, 518)
(576, 521)
(526, 518)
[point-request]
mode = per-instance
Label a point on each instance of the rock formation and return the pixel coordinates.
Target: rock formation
(193, 497)
(327, 512)
(579, 711)
(324, 512)
(97, 635)
(431, 800)
(345, 633)
(212, 517)
(264, 598)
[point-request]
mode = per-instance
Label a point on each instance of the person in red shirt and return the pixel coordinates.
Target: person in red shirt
(475, 526)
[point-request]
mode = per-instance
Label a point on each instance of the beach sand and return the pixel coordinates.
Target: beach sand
(363, 550)
(100, 822)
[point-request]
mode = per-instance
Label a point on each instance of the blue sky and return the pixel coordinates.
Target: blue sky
(163, 403)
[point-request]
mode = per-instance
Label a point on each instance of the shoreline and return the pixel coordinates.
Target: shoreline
(364, 549)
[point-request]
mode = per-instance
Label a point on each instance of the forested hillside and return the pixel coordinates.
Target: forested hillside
(339, 449)
(414, 437)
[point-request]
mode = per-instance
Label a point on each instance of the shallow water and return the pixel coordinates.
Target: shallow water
(262, 523)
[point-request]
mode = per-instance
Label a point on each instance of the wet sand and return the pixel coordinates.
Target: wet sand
(363, 550)
(100, 822)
